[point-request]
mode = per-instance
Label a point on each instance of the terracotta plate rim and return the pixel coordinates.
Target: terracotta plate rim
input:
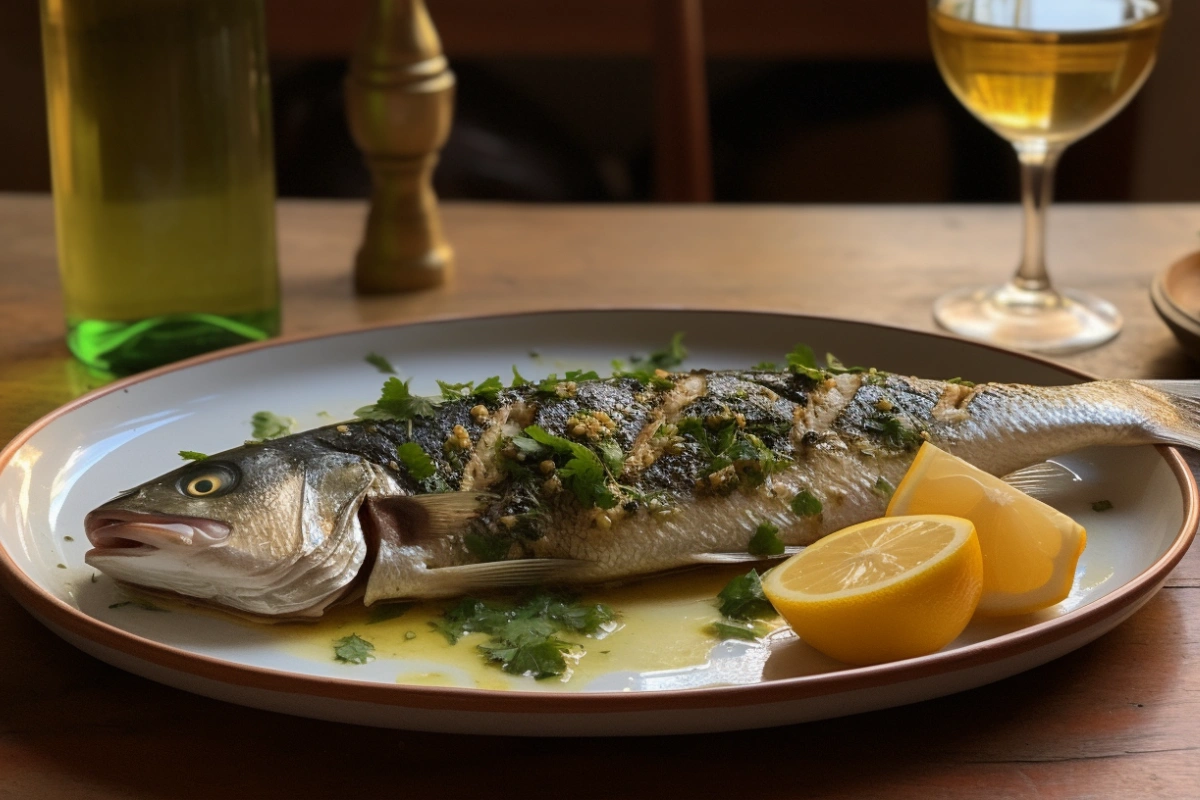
(1005, 646)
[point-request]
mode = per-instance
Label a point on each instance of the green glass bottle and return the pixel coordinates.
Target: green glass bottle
(163, 172)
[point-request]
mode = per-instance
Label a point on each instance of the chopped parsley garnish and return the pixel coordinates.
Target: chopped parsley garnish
(1102, 505)
(668, 358)
(524, 637)
(488, 390)
(382, 612)
(144, 605)
(487, 547)
(803, 361)
(192, 455)
(765, 541)
(883, 487)
(892, 430)
(765, 366)
(353, 649)
(743, 599)
(517, 379)
(380, 363)
(751, 631)
(455, 391)
(396, 402)
(549, 384)
(961, 382)
(583, 473)
(731, 446)
(268, 425)
(806, 504)
(416, 461)
(611, 455)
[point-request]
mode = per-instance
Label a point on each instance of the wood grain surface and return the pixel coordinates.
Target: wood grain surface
(1117, 718)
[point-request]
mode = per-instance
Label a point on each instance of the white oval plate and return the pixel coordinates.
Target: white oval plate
(123, 434)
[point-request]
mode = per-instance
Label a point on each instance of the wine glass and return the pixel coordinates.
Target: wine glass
(1042, 74)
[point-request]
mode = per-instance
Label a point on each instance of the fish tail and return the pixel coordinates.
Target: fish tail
(1174, 417)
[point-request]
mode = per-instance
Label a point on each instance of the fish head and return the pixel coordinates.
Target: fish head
(266, 529)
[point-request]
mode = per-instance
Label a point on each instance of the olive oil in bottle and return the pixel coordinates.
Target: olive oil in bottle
(164, 187)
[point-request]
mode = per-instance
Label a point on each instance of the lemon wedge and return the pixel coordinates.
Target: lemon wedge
(1030, 550)
(882, 590)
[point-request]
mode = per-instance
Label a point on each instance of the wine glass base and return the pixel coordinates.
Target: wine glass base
(1044, 321)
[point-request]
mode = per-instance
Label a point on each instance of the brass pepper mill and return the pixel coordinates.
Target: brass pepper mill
(399, 102)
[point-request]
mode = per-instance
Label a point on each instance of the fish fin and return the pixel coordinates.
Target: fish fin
(741, 558)
(449, 581)
(1177, 418)
(1042, 481)
(413, 519)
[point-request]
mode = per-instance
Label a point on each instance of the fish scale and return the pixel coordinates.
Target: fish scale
(335, 514)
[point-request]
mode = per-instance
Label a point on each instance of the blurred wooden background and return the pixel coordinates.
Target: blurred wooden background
(809, 101)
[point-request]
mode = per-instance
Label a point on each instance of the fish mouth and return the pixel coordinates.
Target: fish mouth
(131, 533)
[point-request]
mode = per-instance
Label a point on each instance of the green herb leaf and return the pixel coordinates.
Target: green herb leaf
(803, 361)
(353, 649)
(268, 425)
(382, 612)
(893, 432)
(537, 658)
(643, 376)
(396, 402)
(612, 456)
(192, 455)
(883, 487)
(144, 605)
(489, 389)
(961, 382)
(517, 379)
(834, 366)
(487, 547)
(455, 391)
(583, 473)
(765, 541)
(750, 632)
(524, 637)
(380, 363)
(416, 461)
(549, 385)
(1102, 505)
(581, 375)
(668, 358)
(765, 366)
(743, 598)
(806, 504)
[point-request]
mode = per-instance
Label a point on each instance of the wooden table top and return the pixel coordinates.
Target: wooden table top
(1116, 718)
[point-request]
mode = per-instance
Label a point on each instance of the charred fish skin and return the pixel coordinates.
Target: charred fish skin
(601, 480)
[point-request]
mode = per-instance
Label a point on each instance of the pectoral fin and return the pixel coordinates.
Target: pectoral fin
(450, 581)
(390, 524)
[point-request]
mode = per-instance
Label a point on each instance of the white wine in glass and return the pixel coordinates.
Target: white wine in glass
(1042, 74)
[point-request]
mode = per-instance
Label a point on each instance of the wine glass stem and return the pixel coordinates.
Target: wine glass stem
(1038, 160)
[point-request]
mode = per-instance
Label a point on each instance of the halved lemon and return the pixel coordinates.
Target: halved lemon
(882, 590)
(1030, 550)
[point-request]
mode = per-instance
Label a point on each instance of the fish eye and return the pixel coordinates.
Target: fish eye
(208, 480)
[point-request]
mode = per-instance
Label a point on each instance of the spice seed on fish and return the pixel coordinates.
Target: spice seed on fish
(480, 414)
(546, 467)
(458, 439)
(343, 428)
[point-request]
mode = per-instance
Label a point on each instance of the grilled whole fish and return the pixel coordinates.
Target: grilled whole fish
(595, 481)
